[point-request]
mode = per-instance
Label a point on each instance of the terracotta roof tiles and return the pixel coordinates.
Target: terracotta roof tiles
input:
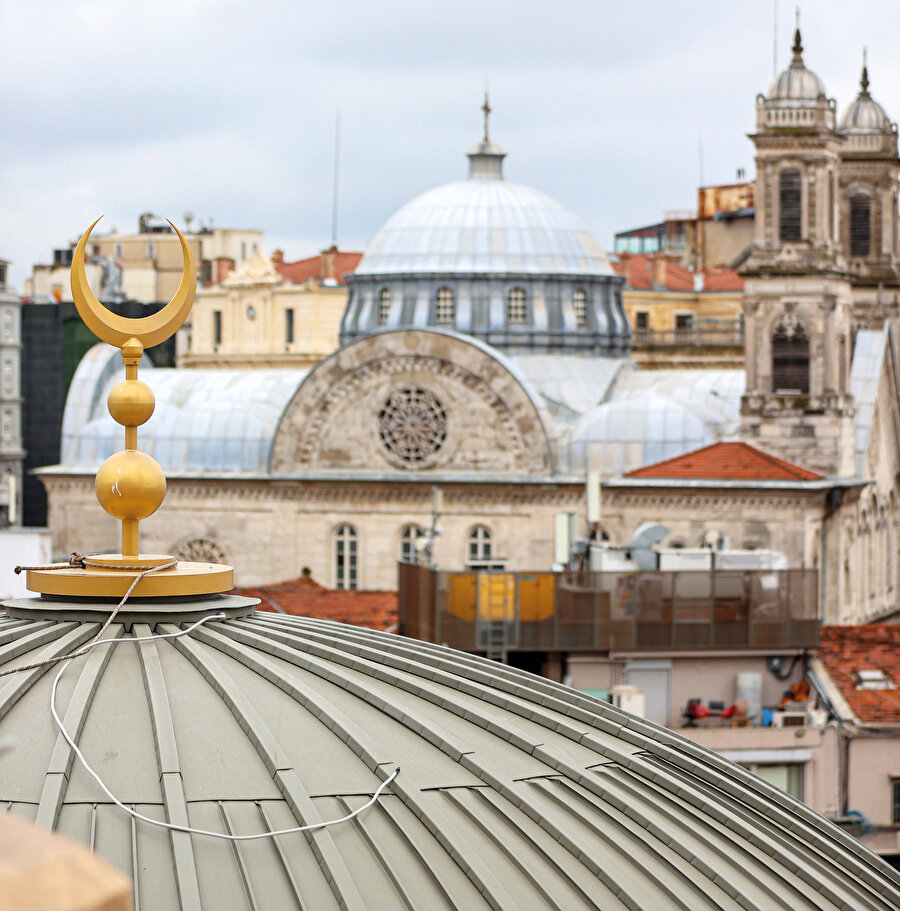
(316, 267)
(305, 597)
(872, 647)
(732, 461)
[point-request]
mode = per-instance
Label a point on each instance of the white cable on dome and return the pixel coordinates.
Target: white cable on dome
(172, 826)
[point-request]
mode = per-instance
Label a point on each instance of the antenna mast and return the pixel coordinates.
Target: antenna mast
(337, 156)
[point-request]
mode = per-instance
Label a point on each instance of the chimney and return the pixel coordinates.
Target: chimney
(658, 274)
(278, 257)
(329, 265)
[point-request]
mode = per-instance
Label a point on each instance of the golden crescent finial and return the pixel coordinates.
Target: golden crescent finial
(117, 330)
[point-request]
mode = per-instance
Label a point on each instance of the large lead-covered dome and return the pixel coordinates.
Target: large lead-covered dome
(514, 792)
(494, 259)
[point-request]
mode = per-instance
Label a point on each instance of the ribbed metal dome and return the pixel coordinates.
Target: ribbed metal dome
(796, 86)
(514, 792)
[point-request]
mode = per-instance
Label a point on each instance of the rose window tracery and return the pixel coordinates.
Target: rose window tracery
(200, 550)
(412, 425)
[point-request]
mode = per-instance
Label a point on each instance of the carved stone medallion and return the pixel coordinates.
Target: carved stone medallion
(412, 426)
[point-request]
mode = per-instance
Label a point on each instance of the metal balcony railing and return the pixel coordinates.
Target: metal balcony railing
(598, 612)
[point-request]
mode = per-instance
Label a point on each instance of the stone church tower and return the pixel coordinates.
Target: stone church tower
(798, 296)
(868, 208)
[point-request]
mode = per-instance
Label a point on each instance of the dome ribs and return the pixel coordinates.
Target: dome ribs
(329, 858)
(224, 636)
(59, 768)
(170, 778)
(63, 638)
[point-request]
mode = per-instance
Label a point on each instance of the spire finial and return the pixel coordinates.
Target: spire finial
(798, 45)
(486, 107)
(864, 79)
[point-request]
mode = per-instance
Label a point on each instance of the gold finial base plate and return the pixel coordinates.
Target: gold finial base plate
(112, 582)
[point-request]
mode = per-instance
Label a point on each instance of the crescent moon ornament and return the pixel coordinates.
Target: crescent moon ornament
(118, 330)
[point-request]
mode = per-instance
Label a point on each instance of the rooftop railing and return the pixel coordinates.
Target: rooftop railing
(599, 612)
(726, 337)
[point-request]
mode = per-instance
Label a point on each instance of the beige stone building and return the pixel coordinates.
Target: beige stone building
(145, 266)
(269, 313)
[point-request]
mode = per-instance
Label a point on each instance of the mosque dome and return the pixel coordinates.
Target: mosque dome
(865, 115)
(494, 259)
(513, 791)
(797, 86)
(640, 429)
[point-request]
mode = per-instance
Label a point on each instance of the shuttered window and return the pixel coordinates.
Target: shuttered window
(790, 198)
(790, 359)
(860, 223)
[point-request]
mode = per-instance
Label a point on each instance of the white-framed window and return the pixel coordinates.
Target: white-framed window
(384, 305)
(345, 557)
(516, 306)
(579, 305)
(480, 551)
(444, 307)
(408, 537)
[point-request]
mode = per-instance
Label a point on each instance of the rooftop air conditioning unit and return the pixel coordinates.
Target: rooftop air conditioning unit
(629, 699)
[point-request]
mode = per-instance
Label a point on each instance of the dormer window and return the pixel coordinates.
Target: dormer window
(873, 680)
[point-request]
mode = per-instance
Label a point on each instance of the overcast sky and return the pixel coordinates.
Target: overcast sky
(227, 110)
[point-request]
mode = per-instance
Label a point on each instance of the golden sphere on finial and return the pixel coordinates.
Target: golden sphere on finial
(131, 403)
(130, 485)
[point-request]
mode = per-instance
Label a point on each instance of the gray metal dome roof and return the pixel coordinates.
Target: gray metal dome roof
(484, 225)
(514, 792)
(865, 114)
(796, 86)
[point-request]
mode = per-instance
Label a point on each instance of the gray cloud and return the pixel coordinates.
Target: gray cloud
(227, 109)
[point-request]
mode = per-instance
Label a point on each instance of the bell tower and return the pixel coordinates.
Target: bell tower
(797, 293)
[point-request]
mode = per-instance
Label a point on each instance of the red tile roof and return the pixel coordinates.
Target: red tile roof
(328, 264)
(304, 597)
(642, 274)
(735, 461)
(873, 647)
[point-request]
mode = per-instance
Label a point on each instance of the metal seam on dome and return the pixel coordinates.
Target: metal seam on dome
(445, 833)
(602, 832)
(383, 857)
(244, 873)
(74, 635)
(770, 840)
(279, 850)
(502, 847)
(169, 767)
(53, 792)
(493, 800)
(330, 859)
(658, 738)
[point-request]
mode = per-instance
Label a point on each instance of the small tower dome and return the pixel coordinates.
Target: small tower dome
(797, 86)
(865, 116)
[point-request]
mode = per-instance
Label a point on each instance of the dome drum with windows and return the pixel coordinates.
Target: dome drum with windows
(496, 260)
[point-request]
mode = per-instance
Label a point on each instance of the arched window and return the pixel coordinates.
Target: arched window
(516, 306)
(384, 305)
(408, 538)
(444, 307)
(860, 223)
(790, 357)
(480, 550)
(345, 557)
(790, 195)
(579, 305)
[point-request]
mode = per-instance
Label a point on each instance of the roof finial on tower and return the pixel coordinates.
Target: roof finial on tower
(864, 79)
(798, 46)
(486, 107)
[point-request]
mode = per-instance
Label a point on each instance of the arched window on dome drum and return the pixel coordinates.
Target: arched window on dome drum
(860, 223)
(384, 305)
(408, 538)
(790, 357)
(444, 307)
(516, 306)
(579, 305)
(345, 557)
(790, 197)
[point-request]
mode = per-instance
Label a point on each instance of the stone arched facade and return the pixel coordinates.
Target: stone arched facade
(413, 400)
